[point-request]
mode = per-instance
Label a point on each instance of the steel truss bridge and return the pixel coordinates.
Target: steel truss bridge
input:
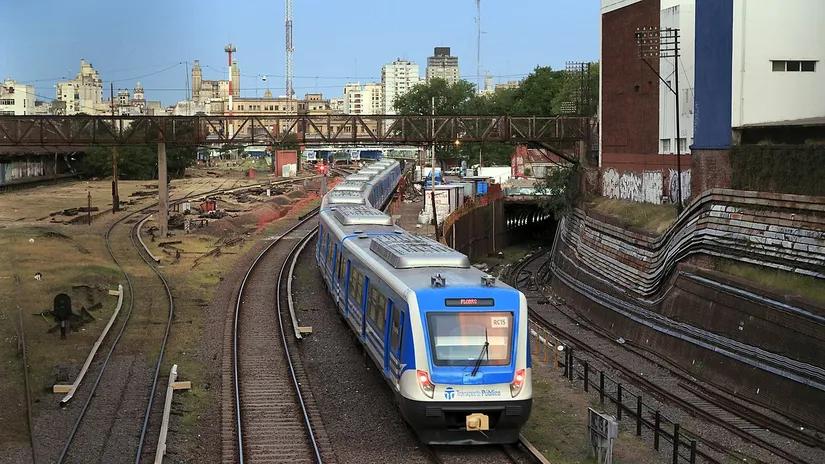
(343, 129)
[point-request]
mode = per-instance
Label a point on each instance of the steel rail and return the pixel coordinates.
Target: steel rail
(293, 256)
(670, 396)
(127, 315)
(235, 329)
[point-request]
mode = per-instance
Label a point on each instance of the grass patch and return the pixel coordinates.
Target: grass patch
(779, 281)
(647, 217)
(558, 424)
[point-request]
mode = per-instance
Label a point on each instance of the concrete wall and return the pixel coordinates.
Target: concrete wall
(765, 30)
(678, 14)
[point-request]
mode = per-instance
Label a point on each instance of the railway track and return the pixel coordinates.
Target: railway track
(276, 419)
(131, 219)
(522, 452)
(738, 418)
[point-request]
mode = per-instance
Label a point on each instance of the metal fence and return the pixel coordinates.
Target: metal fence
(613, 395)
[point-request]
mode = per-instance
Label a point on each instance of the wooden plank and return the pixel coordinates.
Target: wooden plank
(61, 388)
(181, 385)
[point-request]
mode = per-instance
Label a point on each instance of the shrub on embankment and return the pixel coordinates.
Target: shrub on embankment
(798, 169)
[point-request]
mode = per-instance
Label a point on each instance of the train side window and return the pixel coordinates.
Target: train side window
(356, 287)
(395, 329)
(376, 309)
(330, 253)
(341, 265)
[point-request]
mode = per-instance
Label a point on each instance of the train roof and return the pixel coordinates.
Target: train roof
(360, 215)
(407, 251)
(351, 185)
(345, 197)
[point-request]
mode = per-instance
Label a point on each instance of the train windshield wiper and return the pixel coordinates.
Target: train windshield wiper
(484, 350)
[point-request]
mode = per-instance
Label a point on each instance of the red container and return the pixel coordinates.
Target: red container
(283, 157)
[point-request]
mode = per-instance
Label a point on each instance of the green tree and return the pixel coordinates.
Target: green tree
(139, 162)
(450, 99)
(561, 189)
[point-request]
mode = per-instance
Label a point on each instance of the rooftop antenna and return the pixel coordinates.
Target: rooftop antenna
(289, 49)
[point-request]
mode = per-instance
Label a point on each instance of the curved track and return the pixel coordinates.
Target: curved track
(709, 406)
(275, 418)
(134, 239)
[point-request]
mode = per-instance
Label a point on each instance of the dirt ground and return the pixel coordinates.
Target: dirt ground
(45, 253)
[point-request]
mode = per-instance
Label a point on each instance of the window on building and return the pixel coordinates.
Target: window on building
(793, 65)
(665, 145)
(682, 145)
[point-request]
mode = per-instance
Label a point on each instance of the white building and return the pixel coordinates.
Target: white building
(442, 65)
(84, 93)
(397, 78)
(16, 99)
(363, 98)
(678, 14)
(778, 76)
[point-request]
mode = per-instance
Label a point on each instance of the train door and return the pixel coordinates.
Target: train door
(392, 353)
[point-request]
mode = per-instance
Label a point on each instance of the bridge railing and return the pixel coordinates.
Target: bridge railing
(83, 130)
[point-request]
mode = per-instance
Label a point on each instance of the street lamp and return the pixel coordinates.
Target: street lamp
(664, 43)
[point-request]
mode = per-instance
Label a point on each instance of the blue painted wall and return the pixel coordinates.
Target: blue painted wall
(714, 68)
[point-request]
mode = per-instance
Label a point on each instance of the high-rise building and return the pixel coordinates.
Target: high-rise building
(442, 65)
(16, 99)
(397, 78)
(363, 98)
(83, 94)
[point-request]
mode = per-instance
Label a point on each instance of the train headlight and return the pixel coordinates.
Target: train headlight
(518, 382)
(425, 383)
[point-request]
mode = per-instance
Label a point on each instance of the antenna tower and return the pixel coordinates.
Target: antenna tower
(289, 50)
(478, 45)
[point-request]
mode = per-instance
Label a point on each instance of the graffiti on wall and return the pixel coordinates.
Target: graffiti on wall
(685, 185)
(644, 188)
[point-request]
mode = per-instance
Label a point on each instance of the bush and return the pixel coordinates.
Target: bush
(798, 169)
(136, 162)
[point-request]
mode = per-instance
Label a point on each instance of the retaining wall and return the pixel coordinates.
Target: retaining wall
(654, 292)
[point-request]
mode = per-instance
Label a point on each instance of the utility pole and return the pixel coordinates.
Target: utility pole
(432, 170)
(664, 43)
(163, 191)
(115, 195)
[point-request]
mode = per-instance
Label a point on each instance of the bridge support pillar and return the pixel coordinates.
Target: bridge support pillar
(163, 192)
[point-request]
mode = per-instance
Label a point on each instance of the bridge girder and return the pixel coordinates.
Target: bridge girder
(84, 131)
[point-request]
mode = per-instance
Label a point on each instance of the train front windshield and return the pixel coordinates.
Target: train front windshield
(467, 338)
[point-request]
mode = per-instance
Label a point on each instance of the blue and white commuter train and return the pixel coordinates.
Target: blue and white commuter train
(450, 340)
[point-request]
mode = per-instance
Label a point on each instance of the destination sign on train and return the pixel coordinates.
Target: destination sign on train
(469, 302)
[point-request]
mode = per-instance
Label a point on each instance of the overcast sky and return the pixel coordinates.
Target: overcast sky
(336, 41)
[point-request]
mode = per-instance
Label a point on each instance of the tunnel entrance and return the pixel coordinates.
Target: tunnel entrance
(529, 222)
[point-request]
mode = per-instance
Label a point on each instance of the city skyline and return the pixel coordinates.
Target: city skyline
(349, 51)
